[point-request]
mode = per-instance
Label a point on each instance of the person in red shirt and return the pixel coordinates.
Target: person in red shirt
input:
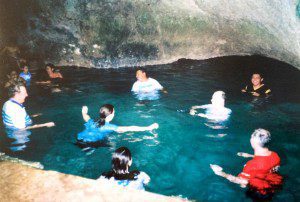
(260, 173)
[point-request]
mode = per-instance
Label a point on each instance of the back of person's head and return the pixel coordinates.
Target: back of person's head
(218, 98)
(262, 136)
(121, 160)
(219, 95)
(104, 112)
(13, 86)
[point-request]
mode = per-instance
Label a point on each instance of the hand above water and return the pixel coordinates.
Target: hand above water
(246, 155)
(49, 124)
(153, 126)
(193, 112)
(84, 109)
(217, 169)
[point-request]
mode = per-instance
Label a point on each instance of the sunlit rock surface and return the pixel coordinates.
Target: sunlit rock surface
(23, 183)
(129, 32)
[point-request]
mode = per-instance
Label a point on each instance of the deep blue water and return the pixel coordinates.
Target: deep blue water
(178, 154)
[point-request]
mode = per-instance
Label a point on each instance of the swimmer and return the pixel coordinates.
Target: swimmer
(120, 174)
(52, 73)
(258, 88)
(214, 111)
(145, 84)
(260, 173)
(98, 130)
(14, 114)
(25, 74)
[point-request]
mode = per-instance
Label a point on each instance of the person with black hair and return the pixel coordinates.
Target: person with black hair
(145, 84)
(120, 174)
(257, 88)
(52, 73)
(25, 74)
(99, 129)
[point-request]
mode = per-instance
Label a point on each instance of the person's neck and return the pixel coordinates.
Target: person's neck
(144, 80)
(257, 86)
(261, 151)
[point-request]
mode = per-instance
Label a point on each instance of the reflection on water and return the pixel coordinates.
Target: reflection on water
(176, 155)
(18, 139)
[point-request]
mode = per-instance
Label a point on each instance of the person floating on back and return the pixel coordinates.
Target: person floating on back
(216, 110)
(120, 174)
(99, 129)
(145, 84)
(25, 74)
(260, 173)
(14, 114)
(257, 88)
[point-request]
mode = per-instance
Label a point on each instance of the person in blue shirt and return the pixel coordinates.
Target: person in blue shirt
(120, 174)
(99, 129)
(25, 74)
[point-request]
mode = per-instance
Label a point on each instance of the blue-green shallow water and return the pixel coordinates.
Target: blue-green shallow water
(178, 154)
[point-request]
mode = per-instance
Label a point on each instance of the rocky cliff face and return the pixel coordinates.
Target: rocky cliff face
(111, 33)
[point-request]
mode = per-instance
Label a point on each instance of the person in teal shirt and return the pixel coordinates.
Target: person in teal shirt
(97, 130)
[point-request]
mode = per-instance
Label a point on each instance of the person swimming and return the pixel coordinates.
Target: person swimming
(215, 111)
(257, 88)
(98, 130)
(260, 173)
(25, 74)
(145, 84)
(120, 174)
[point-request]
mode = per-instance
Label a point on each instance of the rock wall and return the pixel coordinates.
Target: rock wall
(22, 183)
(112, 33)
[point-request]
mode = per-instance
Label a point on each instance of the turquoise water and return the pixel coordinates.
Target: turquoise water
(177, 155)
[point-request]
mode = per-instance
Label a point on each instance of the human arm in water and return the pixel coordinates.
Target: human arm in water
(85, 115)
(193, 110)
(237, 180)
(245, 155)
(49, 124)
(36, 115)
(122, 129)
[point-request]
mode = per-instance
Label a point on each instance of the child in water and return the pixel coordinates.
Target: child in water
(216, 110)
(25, 74)
(120, 174)
(98, 130)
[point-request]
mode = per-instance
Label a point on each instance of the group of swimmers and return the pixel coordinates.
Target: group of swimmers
(260, 173)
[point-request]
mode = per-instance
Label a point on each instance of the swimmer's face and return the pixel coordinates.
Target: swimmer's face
(141, 76)
(256, 79)
(48, 69)
(21, 95)
(25, 69)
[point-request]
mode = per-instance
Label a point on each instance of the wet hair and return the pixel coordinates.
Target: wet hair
(120, 163)
(24, 65)
(263, 136)
(13, 86)
(260, 74)
(143, 71)
(219, 94)
(49, 65)
(105, 111)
